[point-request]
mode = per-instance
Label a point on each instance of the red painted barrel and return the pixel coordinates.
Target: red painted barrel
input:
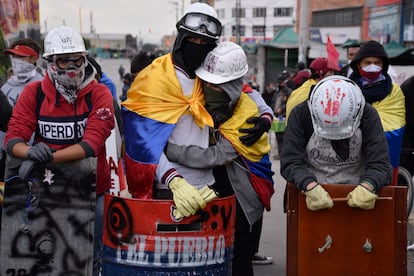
(141, 238)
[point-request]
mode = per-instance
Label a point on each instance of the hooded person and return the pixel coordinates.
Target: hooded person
(238, 169)
(370, 72)
(166, 103)
(200, 21)
(335, 137)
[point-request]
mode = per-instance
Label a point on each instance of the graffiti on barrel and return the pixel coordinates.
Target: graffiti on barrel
(140, 236)
(48, 223)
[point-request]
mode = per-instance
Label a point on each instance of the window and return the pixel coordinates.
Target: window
(242, 13)
(282, 12)
(259, 12)
(258, 30)
(241, 28)
(337, 18)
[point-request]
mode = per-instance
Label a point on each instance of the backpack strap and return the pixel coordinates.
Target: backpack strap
(89, 101)
(40, 96)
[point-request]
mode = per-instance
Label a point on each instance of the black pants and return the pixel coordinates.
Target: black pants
(279, 140)
(244, 244)
(256, 233)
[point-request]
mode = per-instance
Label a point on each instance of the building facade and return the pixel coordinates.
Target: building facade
(253, 21)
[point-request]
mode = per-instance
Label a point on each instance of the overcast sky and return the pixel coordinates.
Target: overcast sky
(133, 17)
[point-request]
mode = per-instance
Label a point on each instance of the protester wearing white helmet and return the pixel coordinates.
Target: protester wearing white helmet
(336, 115)
(335, 137)
(68, 95)
(235, 164)
(173, 110)
(66, 55)
(167, 98)
(198, 32)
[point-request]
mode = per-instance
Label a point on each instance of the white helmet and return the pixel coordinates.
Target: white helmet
(63, 40)
(224, 63)
(336, 105)
(200, 19)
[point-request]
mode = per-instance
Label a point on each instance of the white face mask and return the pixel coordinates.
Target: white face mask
(372, 68)
(23, 71)
(67, 81)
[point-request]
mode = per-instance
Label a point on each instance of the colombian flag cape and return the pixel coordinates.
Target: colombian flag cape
(154, 105)
(391, 111)
(256, 157)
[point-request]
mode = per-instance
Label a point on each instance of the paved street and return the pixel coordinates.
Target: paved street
(273, 241)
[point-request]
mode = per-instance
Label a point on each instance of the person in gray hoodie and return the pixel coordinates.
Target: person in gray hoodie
(238, 169)
(24, 54)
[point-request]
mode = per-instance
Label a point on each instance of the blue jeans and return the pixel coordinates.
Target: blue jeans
(98, 243)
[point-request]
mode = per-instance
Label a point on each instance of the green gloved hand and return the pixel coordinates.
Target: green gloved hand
(318, 198)
(187, 198)
(360, 197)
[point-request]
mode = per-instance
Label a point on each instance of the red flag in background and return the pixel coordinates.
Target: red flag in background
(333, 55)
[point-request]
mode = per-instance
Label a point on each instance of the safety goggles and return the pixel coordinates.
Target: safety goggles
(201, 23)
(66, 62)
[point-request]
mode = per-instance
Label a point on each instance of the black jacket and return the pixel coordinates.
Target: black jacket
(378, 168)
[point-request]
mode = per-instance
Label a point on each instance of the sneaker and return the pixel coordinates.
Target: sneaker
(261, 260)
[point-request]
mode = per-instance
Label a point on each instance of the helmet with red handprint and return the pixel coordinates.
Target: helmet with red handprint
(336, 105)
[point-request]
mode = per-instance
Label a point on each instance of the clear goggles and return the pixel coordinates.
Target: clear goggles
(67, 61)
(201, 23)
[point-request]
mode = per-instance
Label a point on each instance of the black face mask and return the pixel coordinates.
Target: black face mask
(193, 55)
(218, 105)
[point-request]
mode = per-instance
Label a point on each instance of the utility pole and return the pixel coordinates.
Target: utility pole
(303, 31)
(402, 22)
(264, 27)
(238, 15)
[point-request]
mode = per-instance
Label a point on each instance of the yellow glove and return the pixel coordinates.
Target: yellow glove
(360, 197)
(208, 194)
(318, 198)
(187, 198)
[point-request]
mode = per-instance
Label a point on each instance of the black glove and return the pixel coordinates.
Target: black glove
(40, 153)
(261, 125)
(26, 169)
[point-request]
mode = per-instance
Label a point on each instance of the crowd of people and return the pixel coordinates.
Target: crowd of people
(195, 101)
